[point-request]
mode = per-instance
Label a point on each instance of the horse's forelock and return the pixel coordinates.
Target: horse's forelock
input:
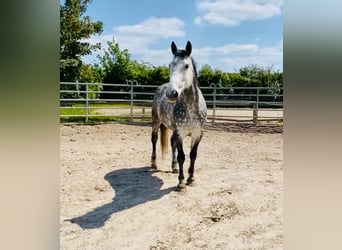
(181, 54)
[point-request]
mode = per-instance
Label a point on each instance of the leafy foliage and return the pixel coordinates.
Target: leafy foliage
(91, 74)
(74, 29)
(116, 68)
(159, 75)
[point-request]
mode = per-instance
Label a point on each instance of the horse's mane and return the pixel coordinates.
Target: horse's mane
(195, 70)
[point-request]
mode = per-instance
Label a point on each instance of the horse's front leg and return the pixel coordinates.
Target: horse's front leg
(181, 159)
(193, 156)
(154, 139)
(174, 153)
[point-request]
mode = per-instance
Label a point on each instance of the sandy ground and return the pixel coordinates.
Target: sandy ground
(110, 199)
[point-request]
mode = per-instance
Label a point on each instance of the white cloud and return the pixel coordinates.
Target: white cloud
(232, 12)
(232, 57)
(155, 28)
(230, 49)
(198, 20)
(139, 37)
(257, 39)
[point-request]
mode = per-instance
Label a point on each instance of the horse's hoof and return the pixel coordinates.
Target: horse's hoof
(190, 181)
(181, 186)
(153, 166)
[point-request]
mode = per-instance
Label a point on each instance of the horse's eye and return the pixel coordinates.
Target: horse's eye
(186, 66)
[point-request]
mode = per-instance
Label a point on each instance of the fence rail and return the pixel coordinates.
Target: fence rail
(133, 101)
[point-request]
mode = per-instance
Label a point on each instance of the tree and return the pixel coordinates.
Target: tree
(141, 72)
(256, 76)
(159, 75)
(90, 74)
(116, 64)
(75, 27)
(117, 67)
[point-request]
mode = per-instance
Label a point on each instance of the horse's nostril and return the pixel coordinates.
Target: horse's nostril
(174, 93)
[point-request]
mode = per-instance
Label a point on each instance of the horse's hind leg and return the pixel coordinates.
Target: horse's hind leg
(154, 139)
(174, 153)
(193, 155)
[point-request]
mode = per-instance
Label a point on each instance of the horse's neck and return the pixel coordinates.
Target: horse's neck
(190, 95)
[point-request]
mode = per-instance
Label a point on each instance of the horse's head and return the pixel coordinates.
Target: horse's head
(182, 71)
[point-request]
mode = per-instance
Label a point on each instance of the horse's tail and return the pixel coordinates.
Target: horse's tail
(163, 140)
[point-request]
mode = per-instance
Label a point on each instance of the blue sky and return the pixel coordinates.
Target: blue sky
(225, 34)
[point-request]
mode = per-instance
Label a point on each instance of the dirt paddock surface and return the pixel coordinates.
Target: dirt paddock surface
(110, 199)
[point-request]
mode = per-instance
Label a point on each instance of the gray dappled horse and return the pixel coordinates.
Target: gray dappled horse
(179, 106)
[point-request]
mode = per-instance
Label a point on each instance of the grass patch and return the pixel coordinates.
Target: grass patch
(110, 105)
(72, 111)
(94, 119)
(76, 113)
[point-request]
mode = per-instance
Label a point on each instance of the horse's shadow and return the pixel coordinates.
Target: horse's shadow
(132, 186)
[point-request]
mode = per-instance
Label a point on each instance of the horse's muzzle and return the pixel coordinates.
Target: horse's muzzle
(172, 95)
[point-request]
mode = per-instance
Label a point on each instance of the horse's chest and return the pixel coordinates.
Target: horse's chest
(185, 117)
(180, 112)
(181, 117)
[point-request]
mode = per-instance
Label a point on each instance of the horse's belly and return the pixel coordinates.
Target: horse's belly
(189, 130)
(188, 126)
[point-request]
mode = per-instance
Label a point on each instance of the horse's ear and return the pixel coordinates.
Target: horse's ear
(173, 48)
(188, 48)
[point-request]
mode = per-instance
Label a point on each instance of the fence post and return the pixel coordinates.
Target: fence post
(87, 104)
(143, 113)
(213, 85)
(77, 89)
(131, 101)
(256, 108)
